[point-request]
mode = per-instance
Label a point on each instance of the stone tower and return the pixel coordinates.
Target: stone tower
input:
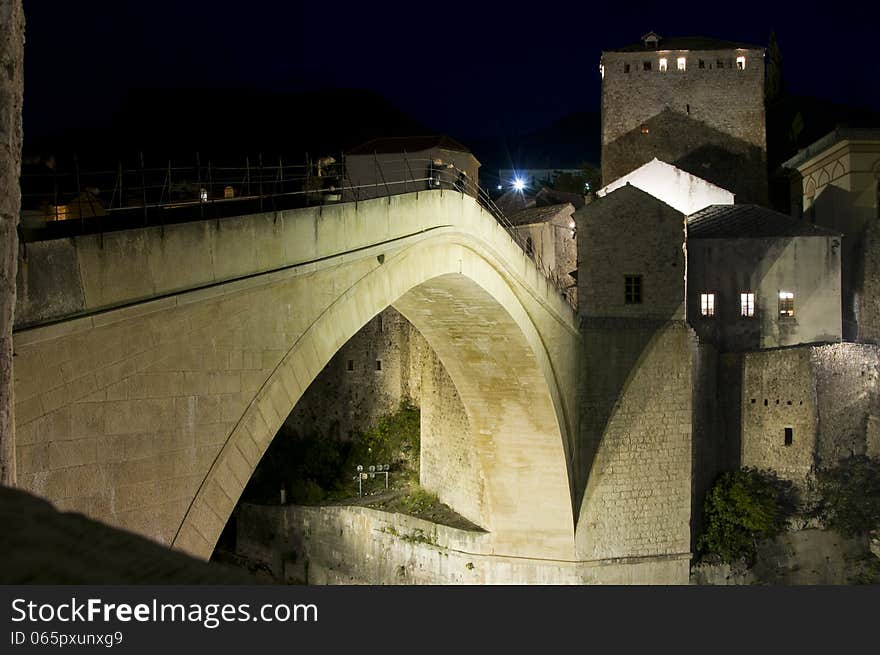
(693, 102)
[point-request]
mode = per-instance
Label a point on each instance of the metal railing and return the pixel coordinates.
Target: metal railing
(64, 203)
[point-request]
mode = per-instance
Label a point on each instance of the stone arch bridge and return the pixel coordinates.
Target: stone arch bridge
(154, 366)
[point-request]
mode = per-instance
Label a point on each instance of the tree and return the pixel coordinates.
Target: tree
(850, 496)
(742, 508)
(773, 85)
(11, 87)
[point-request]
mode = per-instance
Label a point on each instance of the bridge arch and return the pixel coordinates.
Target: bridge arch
(453, 288)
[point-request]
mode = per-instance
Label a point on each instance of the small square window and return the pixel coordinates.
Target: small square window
(789, 436)
(645, 129)
(786, 304)
(646, 65)
(707, 304)
(719, 63)
(681, 63)
(747, 304)
(633, 289)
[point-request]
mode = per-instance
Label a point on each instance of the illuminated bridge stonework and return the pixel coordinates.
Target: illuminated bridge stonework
(154, 366)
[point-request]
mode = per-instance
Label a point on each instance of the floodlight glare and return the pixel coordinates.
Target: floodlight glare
(518, 184)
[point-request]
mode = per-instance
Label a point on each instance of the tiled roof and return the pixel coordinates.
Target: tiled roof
(688, 43)
(534, 215)
(408, 144)
(749, 221)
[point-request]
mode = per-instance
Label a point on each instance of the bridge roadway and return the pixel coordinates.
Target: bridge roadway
(154, 366)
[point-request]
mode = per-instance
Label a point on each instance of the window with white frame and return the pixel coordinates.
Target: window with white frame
(747, 304)
(786, 304)
(707, 304)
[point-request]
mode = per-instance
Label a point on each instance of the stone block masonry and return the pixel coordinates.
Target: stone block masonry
(809, 407)
(358, 545)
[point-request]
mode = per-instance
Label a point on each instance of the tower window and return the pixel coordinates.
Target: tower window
(741, 63)
(662, 64)
(789, 436)
(707, 304)
(633, 289)
(350, 365)
(378, 364)
(626, 68)
(701, 63)
(681, 63)
(786, 304)
(646, 65)
(747, 304)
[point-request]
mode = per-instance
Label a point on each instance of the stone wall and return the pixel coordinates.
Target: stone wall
(629, 232)
(11, 92)
(449, 464)
(358, 545)
(707, 444)
(847, 379)
(828, 396)
(778, 394)
(635, 433)
(372, 373)
(867, 300)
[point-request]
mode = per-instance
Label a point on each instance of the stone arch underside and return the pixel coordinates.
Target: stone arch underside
(450, 288)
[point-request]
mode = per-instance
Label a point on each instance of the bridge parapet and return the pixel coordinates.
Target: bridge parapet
(82, 275)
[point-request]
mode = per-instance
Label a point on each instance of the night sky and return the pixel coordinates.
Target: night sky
(469, 69)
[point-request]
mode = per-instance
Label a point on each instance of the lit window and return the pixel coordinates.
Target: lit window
(707, 304)
(741, 63)
(645, 129)
(662, 64)
(682, 63)
(602, 71)
(646, 65)
(633, 289)
(786, 304)
(747, 304)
